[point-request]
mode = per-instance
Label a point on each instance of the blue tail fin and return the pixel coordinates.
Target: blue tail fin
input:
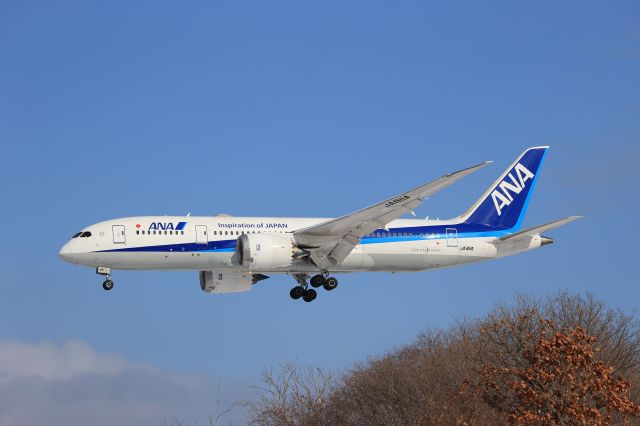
(505, 202)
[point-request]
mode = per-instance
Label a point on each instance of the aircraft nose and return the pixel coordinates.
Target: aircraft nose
(65, 253)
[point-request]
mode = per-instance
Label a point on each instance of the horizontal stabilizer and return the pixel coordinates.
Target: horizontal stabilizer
(540, 228)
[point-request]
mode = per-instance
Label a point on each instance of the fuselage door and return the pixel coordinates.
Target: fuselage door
(201, 234)
(118, 234)
(452, 237)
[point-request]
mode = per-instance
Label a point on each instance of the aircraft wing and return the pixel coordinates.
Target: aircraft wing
(329, 243)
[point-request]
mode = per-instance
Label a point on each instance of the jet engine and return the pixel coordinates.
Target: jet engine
(264, 252)
(228, 282)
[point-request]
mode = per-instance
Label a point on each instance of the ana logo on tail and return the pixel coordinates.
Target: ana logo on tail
(501, 196)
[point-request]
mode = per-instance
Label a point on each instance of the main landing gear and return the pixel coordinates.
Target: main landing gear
(307, 294)
(106, 272)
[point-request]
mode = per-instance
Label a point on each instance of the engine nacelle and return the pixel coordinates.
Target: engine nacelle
(225, 282)
(264, 252)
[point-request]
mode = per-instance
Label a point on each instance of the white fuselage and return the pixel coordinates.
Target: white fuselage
(209, 243)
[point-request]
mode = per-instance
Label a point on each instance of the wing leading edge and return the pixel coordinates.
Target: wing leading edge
(329, 243)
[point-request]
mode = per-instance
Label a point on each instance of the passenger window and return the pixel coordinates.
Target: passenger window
(142, 232)
(137, 232)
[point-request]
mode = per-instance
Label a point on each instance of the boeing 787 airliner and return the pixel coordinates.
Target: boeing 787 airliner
(233, 253)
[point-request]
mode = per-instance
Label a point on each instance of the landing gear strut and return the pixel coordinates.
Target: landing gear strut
(307, 294)
(106, 272)
(302, 290)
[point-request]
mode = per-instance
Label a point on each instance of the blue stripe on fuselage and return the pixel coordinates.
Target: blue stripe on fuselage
(214, 246)
(416, 233)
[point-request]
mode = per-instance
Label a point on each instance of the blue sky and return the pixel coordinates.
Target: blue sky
(112, 109)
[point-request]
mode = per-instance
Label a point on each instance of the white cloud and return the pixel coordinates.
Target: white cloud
(51, 362)
(72, 384)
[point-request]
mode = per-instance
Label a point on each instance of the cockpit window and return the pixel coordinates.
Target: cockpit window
(85, 234)
(77, 235)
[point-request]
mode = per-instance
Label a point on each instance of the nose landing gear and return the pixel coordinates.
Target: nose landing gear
(107, 284)
(105, 272)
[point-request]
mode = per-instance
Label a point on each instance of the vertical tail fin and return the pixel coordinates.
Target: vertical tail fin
(504, 204)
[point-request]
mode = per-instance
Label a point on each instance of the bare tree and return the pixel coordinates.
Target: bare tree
(221, 410)
(291, 396)
(442, 377)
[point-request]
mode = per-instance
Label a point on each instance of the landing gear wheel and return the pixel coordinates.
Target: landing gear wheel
(316, 281)
(297, 292)
(330, 283)
(107, 285)
(309, 295)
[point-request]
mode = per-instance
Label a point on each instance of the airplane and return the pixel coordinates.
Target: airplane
(234, 253)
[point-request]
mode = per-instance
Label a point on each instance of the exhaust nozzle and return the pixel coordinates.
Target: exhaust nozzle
(545, 240)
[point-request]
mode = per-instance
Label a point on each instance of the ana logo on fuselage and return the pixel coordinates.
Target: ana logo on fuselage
(166, 226)
(501, 196)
